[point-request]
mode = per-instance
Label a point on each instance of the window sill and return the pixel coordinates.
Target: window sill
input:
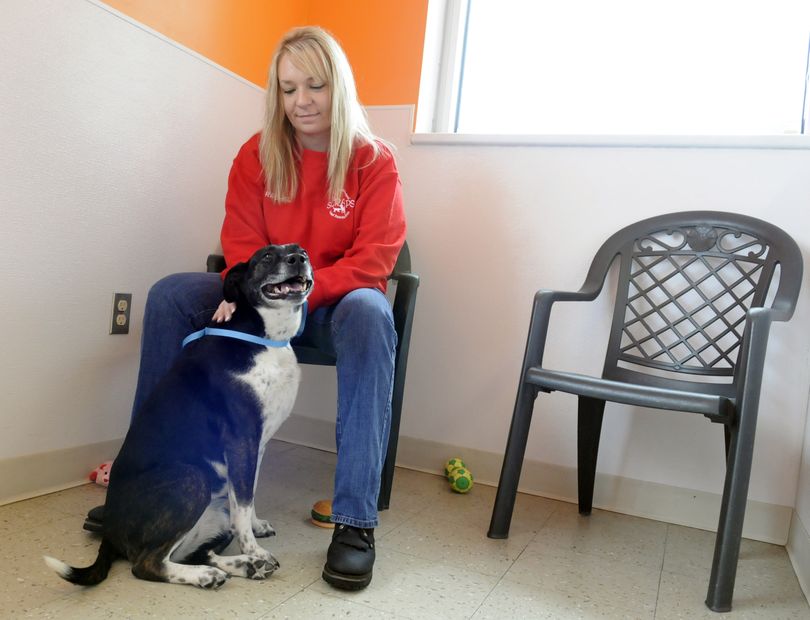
(779, 142)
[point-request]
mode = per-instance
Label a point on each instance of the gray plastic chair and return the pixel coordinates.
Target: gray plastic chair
(403, 309)
(689, 334)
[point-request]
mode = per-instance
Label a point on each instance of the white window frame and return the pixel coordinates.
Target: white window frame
(441, 65)
(438, 100)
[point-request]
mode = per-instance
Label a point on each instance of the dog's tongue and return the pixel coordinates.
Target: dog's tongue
(294, 286)
(285, 287)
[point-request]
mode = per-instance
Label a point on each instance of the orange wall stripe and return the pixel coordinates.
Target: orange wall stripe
(383, 39)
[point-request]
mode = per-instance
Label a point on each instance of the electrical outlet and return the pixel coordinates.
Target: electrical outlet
(122, 302)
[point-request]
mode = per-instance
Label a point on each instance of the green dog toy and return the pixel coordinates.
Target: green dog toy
(452, 464)
(457, 474)
(461, 480)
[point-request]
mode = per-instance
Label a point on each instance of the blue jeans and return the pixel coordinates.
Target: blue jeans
(358, 330)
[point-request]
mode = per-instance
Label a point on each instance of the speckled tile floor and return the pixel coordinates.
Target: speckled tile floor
(433, 561)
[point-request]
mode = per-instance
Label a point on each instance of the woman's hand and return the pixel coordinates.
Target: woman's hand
(224, 312)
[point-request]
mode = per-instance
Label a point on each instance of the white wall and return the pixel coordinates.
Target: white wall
(117, 148)
(799, 541)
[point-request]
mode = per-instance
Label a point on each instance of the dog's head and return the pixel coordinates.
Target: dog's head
(275, 276)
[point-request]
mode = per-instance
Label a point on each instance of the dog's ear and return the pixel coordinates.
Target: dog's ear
(230, 288)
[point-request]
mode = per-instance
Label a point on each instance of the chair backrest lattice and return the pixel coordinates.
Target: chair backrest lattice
(683, 297)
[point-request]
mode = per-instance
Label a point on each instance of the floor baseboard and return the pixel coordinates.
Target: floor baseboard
(32, 475)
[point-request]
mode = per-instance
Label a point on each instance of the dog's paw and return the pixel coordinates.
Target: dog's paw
(212, 578)
(262, 528)
(264, 554)
(261, 568)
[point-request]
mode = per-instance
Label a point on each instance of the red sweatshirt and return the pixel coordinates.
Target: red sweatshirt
(352, 243)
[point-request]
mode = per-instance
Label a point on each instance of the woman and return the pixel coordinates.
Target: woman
(315, 175)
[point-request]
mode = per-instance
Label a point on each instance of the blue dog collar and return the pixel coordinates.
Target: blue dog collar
(231, 333)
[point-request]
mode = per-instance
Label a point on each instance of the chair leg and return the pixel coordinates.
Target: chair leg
(387, 477)
(589, 427)
(727, 438)
(732, 515)
(512, 462)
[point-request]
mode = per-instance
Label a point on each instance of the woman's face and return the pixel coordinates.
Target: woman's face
(307, 104)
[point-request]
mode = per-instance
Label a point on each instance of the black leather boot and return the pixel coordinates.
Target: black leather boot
(350, 558)
(94, 520)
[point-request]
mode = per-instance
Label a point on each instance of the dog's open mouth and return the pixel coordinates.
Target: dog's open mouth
(280, 290)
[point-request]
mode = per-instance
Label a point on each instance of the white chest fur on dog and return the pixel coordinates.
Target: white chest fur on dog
(274, 379)
(274, 376)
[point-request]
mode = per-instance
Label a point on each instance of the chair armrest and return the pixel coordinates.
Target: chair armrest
(544, 299)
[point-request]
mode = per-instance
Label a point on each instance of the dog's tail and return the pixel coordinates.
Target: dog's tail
(89, 576)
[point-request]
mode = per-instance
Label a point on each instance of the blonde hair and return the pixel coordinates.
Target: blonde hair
(315, 52)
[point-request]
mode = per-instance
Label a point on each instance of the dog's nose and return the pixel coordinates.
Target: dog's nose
(296, 259)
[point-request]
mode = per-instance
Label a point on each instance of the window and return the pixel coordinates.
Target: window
(620, 67)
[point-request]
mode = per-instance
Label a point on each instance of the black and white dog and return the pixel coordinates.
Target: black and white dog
(182, 486)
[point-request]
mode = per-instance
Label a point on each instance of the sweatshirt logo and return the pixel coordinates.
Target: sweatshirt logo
(340, 210)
